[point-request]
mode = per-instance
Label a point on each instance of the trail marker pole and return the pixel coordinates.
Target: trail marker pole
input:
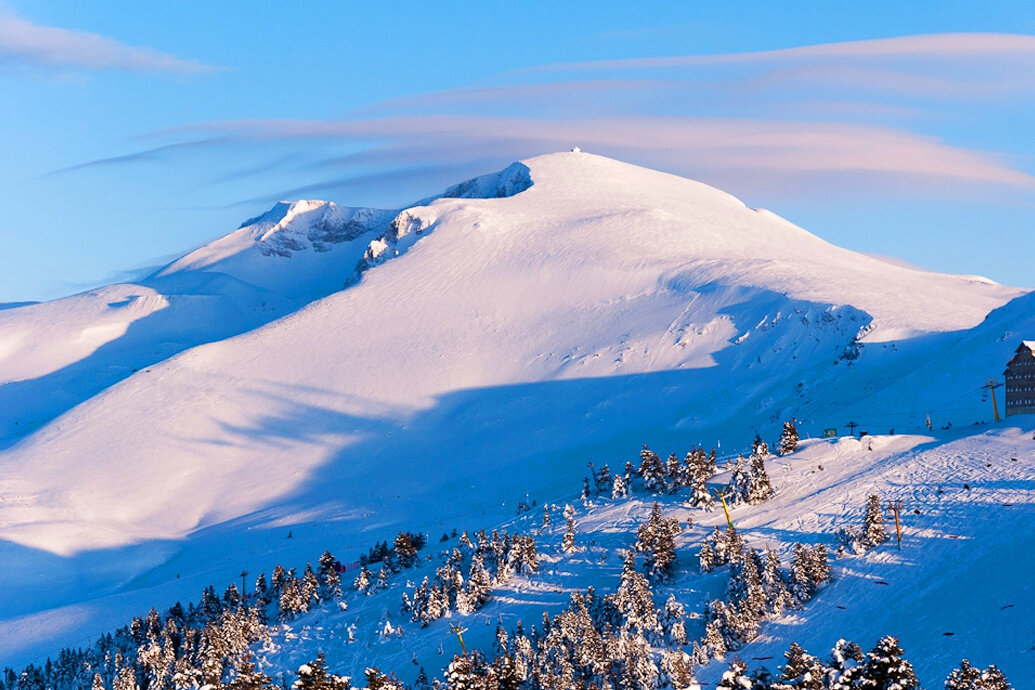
(991, 385)
(459, 632)
(896, 507)
(725, 508)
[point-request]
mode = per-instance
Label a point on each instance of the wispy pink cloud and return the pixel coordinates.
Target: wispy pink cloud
(22, 41)
(949, 45)
(690, 144)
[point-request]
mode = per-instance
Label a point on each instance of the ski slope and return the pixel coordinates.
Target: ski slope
(953, 591)
(487, 347)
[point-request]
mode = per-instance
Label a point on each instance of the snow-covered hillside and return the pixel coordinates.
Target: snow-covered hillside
(491, 346)
(950, 593)
(55, 355)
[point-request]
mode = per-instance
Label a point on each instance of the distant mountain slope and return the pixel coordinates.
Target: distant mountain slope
(512, 337)
(57, 354)
(323, 241)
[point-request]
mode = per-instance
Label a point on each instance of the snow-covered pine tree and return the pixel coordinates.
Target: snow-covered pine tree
(602, 481)
(714, 641)
(125, 678)
(248, 677)
(546, 516)
(422, 682)
(330, 580)
(652, 471)
(886, 668)
(678, 668)
(639, 672)
(735, 677)
(633, 600)
(801, 586)
(966, 677)
(739, 486)
(262, 590)
(377, 680)
(362, 581)
(802, 671)
(759, 487)
(293, 600)
(873, 523)
(231, 597)
(619, 488)
(405, 550)
(584, 496)
(315, 676)
(524, 558)
(310, 587)
(699, 474)
(673, 474)
(277, 580)
(673, 621)
(706, 557)
(788, 442)
(778, 598)
(568, 541)
(656, 539)
(383, 576)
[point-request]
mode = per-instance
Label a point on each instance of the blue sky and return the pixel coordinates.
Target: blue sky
(132, 131)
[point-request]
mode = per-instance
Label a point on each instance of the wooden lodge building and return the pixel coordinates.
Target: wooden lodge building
(1020, 380)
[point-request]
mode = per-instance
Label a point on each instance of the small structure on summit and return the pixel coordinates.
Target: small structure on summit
(1020, 380)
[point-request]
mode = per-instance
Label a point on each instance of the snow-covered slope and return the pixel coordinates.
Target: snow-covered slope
(55, 355)
(491, 347)
(951, 592)
(323, 241)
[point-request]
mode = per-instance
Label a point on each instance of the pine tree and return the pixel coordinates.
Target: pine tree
(656, 539)
(678, 670)
(315, 676)
(707, 557)
(739, 485)
(422, 682)
(886, 669)
(405, 550)
(330, 580)
(249, 678)
(716, 636)
(602, 481)
(801, 672)
(231, 597)
(873, 523)
(735, 677)
(700, 472)
(310, 587)
(966, 677)
(293, 601)
(673, 473)
(376, 680)
(618, 488)
(778, 598)
(362, 581)
(651, 471)
(639, 672)
(673, 620)
(546, 516)
(759, 487)
(788, 442)
(262, 590)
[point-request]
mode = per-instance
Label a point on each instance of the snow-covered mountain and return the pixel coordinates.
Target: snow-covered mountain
(490, 342)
